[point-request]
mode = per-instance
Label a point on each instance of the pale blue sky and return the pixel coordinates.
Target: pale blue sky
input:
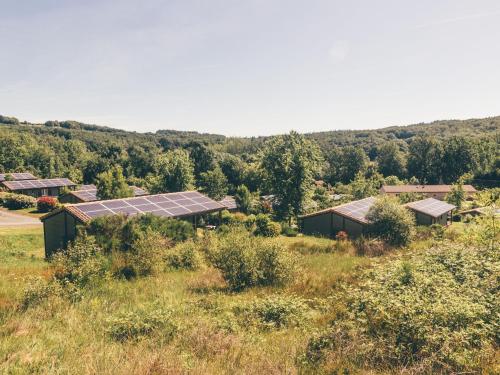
(249, 67)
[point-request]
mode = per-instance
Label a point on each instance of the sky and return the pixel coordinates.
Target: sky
(249, 67)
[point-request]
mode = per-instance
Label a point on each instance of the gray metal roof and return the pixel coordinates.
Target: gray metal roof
(17, 176)
(38, 184)
(88, 193)
(355, 210)
(431, 207)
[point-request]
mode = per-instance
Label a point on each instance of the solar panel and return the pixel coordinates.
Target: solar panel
(167, 205)
(430, 206)
(356, 210)
(17, 176)
(88, 193)
(38, 184)
(229, 202)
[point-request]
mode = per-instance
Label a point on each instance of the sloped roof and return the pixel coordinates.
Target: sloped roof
(355, 210)
(431, 207)
(38, 184)
(88, 193)
(423, 188)
(174, 205)
(17, 176)
(229, 202)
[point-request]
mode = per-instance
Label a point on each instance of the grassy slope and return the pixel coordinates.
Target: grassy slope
(61, 337)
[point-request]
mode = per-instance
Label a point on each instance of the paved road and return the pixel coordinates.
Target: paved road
(9, 219)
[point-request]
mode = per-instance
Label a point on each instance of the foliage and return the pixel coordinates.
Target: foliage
(18, 201)
(370, 247)
(410, 197)
(266, 227)
(391, 222)
(174, 171)
(112, 184)
(390, 160)
(346, 163)
(214, 183)
(184, 256)
(133, 324)
(243, 199)
(46, 204)
(36, 291)
(457, 194)
(276, 312)
(288, 230)
(424, 160)
(290, 163)
(247, 261)
(434, 313)
(363, 187)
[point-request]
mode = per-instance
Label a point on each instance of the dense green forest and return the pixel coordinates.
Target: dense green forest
(438, 152)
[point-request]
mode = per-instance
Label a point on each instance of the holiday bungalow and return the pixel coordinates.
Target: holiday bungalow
(16, 176)
(88, 193)
(431, 211)
(431, 191)
(60, 226)
(39, 188)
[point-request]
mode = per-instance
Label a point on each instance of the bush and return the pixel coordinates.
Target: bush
(433, 313)
(391, 222)
(265, 227)
(46, 204)
(288, 231)
(81, 263)
(370, 247)
(18, 201)
(275, 312)
(133, 324)
(37, 291)
(184, 256)
(246, 261)
(250, 222)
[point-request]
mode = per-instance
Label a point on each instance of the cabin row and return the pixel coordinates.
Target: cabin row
(351, 217)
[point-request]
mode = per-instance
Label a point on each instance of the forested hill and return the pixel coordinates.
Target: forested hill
(81, 151)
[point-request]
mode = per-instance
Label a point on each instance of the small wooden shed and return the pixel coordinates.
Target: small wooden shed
(349, 217)
(431, 211)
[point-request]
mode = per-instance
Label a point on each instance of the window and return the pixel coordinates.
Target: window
(45, 192)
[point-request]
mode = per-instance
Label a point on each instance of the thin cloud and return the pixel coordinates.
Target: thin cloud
(458, 19)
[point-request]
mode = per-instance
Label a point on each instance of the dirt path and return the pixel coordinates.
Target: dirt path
(10, 219)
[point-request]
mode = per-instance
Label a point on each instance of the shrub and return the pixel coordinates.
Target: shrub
(265, 227)
(288, 231)
(313, 247)
(18, 201)
(46, 204)
(81, 263)
(275, 312)
(246, 261)
(184, 256)
(433, 313)
(37, 290)
(370, 247)
(145, 321)
(250, 222)
(391, 222)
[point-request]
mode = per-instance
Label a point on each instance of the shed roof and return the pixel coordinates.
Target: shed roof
(88, 193)
(355, 210)
(17, 176)
(38, 184)
(431, 207)
(423, 188)
(174, 205)
(229, 202)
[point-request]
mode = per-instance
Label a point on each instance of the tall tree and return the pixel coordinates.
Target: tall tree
(459, 157)
(354, 160)
(290, 163)
(202, 156)
(390, 160)
(243, 199)
(425, 160)
(174, 172)
(214, 183)
(234, 169)
(112, 184)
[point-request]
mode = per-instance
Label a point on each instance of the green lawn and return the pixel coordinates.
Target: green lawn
(31, 212)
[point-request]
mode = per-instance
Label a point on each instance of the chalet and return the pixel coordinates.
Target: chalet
(431, 191)
(349, 217)
(431, 211)
(39, 188)
(16, 176)
(60, 226)
(230, 203)
(88, 193)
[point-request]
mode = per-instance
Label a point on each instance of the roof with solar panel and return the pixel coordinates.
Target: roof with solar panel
(173, 205)
(38, 184)
(229, 202)
(355, 210)
(17, 176)
(88, 193)
(430, 206)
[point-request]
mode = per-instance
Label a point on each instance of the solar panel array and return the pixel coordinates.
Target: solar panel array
(432, 207)
(38, 184)
(356, 210)
(89, 193)
(17, 176)
(229, 202)
(166, 205)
